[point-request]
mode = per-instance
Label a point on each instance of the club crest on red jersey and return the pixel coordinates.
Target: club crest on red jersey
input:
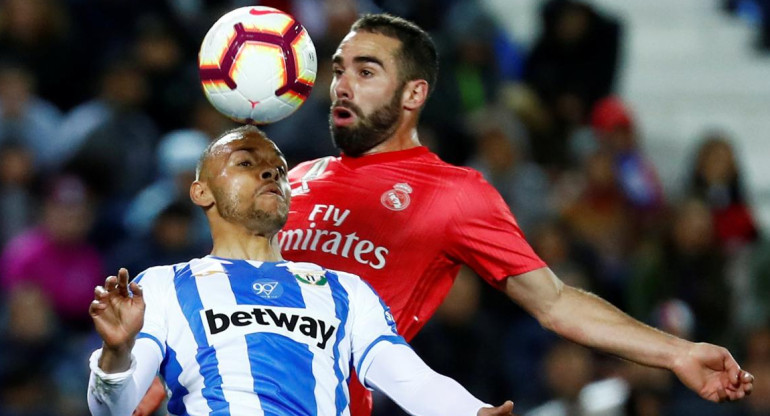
(397, 199)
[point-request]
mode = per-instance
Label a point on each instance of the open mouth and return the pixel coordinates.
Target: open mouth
(343, 116)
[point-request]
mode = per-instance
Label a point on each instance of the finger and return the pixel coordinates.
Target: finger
(504, 409)
(748, 382)
(96, 307)
(747, 377)
(123, 282)
(99, 292)
(111, 283)
(721, 395)
(136, 290)
(735, 395)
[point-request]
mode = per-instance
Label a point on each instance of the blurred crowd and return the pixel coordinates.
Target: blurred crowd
(102, 120)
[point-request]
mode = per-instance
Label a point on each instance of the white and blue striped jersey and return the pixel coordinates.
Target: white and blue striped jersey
(241, 337)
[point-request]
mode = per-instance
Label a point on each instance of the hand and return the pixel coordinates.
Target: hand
(118, 313)
(713, 373)
(506, 409)
(152, 400)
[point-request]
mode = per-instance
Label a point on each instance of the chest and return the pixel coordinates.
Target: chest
(398, 201)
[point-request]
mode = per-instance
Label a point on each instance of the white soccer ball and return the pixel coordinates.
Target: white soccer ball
(257, 65)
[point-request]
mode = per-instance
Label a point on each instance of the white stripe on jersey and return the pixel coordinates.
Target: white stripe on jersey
(185, 348)
(323, 365)
(215, 291)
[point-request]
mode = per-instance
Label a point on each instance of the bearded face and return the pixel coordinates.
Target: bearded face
(369, 130)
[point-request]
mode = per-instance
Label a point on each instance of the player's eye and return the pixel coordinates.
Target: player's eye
(245, 163)
(337, 71)
(366, 73)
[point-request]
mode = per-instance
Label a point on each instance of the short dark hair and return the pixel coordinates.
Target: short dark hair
(243, 130)
(417, 56)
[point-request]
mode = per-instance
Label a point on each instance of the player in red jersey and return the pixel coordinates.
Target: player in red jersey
(392, 212)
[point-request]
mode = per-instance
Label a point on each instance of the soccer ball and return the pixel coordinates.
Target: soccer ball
(257, 65)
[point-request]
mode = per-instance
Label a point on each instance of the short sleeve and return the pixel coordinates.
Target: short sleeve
(372, 324)
(156, 285)
(485, 236)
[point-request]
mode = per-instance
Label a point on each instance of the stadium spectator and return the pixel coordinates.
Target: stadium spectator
(686, 265)
(716, 179)
(176, 158)
(572, 64)
(18, 200)
(503, 158)
(172, 238)
(55, 256)
(26, 118)
(112, 130)
(31, 341)
(40, 35)
(616, 131)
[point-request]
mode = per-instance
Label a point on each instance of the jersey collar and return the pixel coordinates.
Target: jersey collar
(384, 157)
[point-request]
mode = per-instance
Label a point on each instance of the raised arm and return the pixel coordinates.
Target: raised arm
(582, 317)
(122, 370)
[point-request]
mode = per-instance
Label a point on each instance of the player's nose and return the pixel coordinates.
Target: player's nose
(341, 88)
(269, 173)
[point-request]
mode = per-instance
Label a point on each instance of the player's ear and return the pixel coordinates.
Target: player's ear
(201, 195)
(415, 94)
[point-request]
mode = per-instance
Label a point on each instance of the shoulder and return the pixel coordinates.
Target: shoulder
(311, 165)
(157, 275)
(430, 162)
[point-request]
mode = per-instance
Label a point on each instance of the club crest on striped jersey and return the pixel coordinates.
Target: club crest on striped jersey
(397, 199)
(268, 289)
(307, 273)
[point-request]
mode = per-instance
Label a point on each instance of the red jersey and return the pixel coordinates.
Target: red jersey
(405, 222)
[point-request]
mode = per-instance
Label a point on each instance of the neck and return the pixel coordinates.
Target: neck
(405, 137)
(245, 245)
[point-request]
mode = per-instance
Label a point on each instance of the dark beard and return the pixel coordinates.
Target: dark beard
(370, 130)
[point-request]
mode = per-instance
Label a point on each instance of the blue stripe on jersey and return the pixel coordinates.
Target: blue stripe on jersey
(341, 308)
(393, 339)
(139, 277)
(191, 304)
(291, 377)
(170, 370)
(151, 337)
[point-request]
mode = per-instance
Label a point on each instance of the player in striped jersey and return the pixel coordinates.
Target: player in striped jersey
(243, 332)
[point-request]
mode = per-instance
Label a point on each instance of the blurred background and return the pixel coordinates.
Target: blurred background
(628, 137)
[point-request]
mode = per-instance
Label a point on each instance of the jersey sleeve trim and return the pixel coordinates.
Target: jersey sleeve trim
(371, 351)
(151, 337)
